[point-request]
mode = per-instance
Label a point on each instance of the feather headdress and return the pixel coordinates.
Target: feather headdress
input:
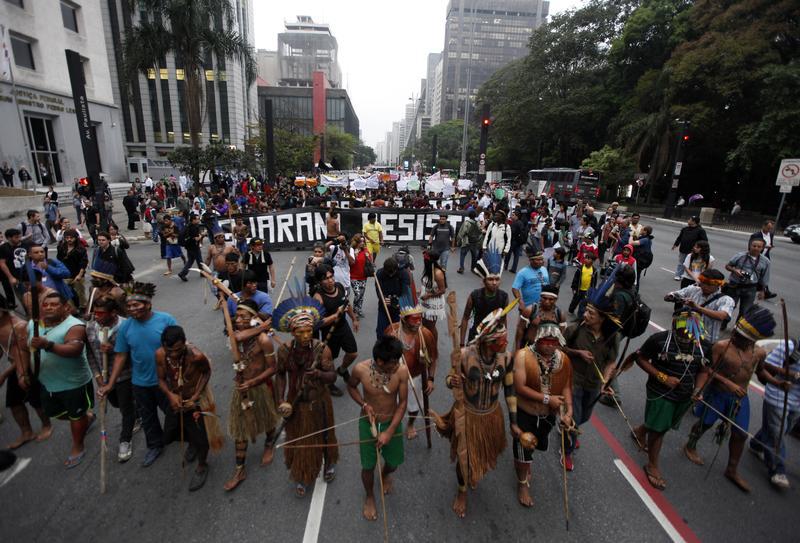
(757, 323)
(297, 310)
(494, 323)
(140, 292)
(599, 297)
(409, 305)
(490, 265)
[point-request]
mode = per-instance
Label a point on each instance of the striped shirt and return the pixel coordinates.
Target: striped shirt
(774, 395)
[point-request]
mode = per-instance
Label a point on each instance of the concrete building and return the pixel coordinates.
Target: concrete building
(430, 81)
(436, 99)
(482, 36)
(154, 112)
(37, 109)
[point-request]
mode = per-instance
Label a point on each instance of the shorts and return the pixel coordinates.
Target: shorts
(661, 414)
(392, 452)
(71, 404)
(341, 340)
(735, 408)
(413, 406)
(539, 427)
(194, 432)
(16, 396)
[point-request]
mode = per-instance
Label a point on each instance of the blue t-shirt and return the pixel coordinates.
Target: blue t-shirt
(261, 298)
(141, 340)
(530, 282)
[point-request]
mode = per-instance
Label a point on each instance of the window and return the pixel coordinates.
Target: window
(23, 53)
(69, 15)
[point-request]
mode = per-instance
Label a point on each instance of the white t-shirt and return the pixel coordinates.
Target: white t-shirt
(341, 266)
(698, 266)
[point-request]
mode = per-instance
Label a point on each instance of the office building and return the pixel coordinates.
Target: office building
(40, 128)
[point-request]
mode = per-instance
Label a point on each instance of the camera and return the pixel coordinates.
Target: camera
(746, 275)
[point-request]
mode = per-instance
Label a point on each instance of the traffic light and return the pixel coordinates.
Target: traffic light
(85, 187)
(486, 121)
(685, 138)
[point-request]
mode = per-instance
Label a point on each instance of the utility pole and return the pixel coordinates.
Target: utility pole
(677, 167)
(485, 122)
(270, 143)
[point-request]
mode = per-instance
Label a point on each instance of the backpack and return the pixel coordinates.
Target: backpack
(643, 259)
(636, 317)
(404, 258)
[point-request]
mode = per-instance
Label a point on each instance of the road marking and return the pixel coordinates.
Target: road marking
(21, 464)
(660, 502)
(315, 511)
(657, 326)
(671, 272)
(649, 503)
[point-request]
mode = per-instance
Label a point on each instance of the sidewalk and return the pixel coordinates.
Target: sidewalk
(778, 237)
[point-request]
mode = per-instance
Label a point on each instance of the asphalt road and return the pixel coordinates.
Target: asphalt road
(608, 497)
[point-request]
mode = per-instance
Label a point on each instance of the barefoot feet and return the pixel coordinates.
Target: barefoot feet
(369, 511)
(460, 504)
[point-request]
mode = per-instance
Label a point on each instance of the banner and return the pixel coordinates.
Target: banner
(333, 181)
(302, 228)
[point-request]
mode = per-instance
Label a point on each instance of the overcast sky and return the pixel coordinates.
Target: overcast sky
(383, 48)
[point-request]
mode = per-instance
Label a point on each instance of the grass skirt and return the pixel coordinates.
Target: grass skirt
(264, 417)
(485, 440)
(213, 427)
(309, 417)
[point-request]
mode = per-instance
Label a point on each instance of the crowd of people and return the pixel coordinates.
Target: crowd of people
(68, 345)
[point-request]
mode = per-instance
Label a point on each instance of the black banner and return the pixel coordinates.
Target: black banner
(301, 228)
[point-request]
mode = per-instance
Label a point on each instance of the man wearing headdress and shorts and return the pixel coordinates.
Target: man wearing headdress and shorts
(305, 369)
(482, 301)
(482, 368)
(543, 384)
(733, 363)
(545, 311)
(252, 410)
(217, 251)
(104, 286)
(420, 354)
(383, 396)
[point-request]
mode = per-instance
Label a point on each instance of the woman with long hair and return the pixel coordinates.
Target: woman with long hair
(72, 253)
(434, 286)
(696, 262)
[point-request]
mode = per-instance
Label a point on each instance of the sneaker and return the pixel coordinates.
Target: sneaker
(769, 297)
(125, 452)
(460, 270)
(137, 425)
(677, 278)
(779, 480)
(758, 452)
(191, 454)
(566, 461)
(182, 278)
(151, 455)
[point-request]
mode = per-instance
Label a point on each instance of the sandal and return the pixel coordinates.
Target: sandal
(74, 461)
(656, 482)
(300, 490)
(330, 474)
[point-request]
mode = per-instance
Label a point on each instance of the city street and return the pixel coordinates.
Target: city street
(609, 497)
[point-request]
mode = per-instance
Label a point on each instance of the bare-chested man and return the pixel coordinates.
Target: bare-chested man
(217, 252)
(332, 224)
(104, 286)
(22, 386)
(183, 376)
(240, 234)
(734, 361)
(252, 410)
(384, 385)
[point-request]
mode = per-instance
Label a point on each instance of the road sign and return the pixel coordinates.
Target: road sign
(463, 169)
(787, 189)
(789, 173)
(678, 168)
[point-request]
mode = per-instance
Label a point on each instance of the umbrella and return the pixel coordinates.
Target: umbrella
(695, 197)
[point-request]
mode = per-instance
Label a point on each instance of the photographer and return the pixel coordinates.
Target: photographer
(749, 275)
(707, 299)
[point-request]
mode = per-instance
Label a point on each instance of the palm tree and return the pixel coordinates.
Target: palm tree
(194, 32)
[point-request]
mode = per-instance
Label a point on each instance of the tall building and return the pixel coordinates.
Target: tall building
(37, 115)
(154, 111)
(430, 81)
(482, 36)
(436, 99)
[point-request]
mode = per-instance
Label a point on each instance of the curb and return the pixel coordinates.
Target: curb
(780, 237)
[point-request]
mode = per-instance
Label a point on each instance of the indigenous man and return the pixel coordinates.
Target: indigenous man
(106, 316)
(231, 276)
(183, 376)
(734, 361)
(23, 387)
(65, 377)
(240, 233)
(545, 311)
(483, 301)
(250, 291)
(543, 384)
(483, 367)
(333, 297)
(252, 410)
(675, 363)
(218, 251)
(384, 385)
(420, 354)
(305, 369)
(332, 224)
(707, 299)
(104, 286)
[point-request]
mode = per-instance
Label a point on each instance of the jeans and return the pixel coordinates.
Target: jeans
(148, 400)
(359, 287)
(443, 257)
(582, 399)
(744, 295)
(121, 397)
(192, 256)
(474, 255)
(768, 434)
(516, 250)
(679, 268)
(154, 232)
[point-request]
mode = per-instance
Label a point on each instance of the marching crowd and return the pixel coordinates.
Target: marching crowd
(68, 344)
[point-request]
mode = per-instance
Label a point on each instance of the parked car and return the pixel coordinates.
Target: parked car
(793, 232)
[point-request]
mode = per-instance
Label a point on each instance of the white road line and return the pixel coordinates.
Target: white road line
(671, 272)
(20, 465)
(673, 534)
(657, 326)
(757, 386)
(315, 511)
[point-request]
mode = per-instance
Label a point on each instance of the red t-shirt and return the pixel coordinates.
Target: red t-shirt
(357, 268)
